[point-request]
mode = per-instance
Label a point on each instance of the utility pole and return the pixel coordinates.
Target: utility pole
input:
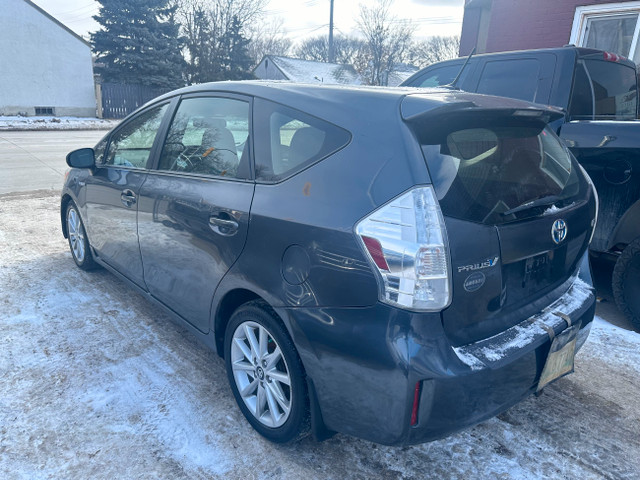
(331, 34)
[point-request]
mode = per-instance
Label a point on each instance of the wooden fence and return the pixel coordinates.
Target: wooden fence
(119, 100)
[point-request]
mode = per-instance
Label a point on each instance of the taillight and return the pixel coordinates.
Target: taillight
(613, 57)
(406, 242)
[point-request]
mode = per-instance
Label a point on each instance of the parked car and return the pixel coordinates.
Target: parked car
(598, 92)
(392, 265)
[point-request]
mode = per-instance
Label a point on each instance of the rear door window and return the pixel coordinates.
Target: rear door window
(514, 78)
(490, 174)
(289, 140)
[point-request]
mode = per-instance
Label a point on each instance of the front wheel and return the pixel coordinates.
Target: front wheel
(265, 373)
(626, 283)
(78, 242)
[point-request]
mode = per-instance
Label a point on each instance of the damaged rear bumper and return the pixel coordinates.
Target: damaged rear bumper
(365, 364)
(498, 372)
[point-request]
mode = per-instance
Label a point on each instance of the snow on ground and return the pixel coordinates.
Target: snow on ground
(55, 123)
(95, 382)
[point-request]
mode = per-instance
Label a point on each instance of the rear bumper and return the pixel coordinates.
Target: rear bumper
(365, 363)
(501, 370)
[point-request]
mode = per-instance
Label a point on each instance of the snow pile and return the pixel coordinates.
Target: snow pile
(626, 353)
(55, 123)
(495, 348)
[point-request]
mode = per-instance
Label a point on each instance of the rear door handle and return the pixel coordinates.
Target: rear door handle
(223, 224)
(128, 198)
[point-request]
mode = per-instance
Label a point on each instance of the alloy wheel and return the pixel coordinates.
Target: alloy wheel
(261, 374)
(76, 234)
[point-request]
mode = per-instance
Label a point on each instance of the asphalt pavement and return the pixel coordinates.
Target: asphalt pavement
(35, 160)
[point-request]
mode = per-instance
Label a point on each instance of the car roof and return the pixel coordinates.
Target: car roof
(347, 105)
(566, 51)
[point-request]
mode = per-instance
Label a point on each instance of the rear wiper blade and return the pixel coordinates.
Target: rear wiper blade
(539, 202)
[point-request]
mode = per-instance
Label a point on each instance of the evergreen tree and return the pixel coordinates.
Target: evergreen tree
(235, 60)
(139, 43)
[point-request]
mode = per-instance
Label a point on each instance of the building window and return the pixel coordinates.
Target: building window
(613, 27)
(44, 111)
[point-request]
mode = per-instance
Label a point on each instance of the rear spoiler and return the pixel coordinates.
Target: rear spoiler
(418, 108)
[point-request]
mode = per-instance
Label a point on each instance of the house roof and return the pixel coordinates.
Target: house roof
(58, 22)
(299, 70)
(400, 74)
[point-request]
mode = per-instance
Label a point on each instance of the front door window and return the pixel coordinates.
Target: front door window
(131, 145)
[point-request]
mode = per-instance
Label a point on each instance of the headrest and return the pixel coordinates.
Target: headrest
(209, 122)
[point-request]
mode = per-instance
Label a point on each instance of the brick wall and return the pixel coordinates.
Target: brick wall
(524, 24)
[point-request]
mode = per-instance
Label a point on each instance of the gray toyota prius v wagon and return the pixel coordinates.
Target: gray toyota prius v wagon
(392, 264)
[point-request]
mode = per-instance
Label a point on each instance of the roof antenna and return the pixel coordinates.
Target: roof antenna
(455, 80)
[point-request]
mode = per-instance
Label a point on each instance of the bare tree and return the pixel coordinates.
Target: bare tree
(388, 40)
(434, 49)
(206, 28)
(267, 38)
(346, 49)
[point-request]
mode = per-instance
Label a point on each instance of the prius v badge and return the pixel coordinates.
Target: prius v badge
(559, 231)
(489, 262)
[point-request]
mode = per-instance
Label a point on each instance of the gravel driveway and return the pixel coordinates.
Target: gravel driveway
(95, 382)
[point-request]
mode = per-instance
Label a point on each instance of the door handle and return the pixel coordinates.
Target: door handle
(127, 197)
(223, 224)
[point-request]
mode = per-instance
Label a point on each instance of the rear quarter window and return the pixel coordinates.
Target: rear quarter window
(288, 140)
(440, 76)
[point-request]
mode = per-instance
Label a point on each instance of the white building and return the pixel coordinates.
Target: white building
(273, 67)
(45, 68)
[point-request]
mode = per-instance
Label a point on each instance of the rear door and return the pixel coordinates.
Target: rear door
(112, 192)
(518, 213)
(193, 212)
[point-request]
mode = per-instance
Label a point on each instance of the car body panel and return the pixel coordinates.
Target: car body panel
(111, 224)
(184, 255)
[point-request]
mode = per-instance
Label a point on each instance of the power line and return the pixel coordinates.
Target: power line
(91, 5)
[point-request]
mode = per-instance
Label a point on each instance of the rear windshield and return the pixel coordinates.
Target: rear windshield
(603, 90)
(491, 174)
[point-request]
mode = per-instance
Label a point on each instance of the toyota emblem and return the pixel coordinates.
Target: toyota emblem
(559, 231)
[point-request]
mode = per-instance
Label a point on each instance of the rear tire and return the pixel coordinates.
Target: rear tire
(266, 374)
(626, 283)
(78, 241)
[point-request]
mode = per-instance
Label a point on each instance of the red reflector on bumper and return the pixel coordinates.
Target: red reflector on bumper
(416, 400)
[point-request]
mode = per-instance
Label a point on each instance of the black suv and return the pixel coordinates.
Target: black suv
(598, 92)
(387, 264)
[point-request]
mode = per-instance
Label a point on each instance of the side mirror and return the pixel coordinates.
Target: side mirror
(82, 158)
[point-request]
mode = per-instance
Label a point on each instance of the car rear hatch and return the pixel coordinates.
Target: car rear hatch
(518, 209)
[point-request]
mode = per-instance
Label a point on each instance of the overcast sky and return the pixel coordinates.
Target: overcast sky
(301, 18)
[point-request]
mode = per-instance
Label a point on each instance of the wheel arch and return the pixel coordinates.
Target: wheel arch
(232, 300)
(64, 202)
(627, 229)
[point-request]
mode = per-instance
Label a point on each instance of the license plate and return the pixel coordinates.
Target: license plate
(561, 355)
